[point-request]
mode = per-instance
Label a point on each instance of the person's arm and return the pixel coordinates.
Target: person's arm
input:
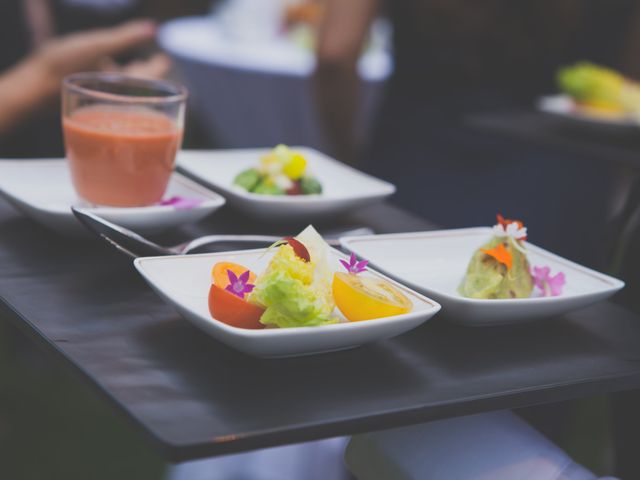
(22, 90)
(341, 37)
(36, 80)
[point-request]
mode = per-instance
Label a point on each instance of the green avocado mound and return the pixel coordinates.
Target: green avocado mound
(487, 278)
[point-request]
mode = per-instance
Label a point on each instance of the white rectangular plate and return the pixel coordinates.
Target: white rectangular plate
(344, 188)
(42, 190)
(435, 263)
(183, 281)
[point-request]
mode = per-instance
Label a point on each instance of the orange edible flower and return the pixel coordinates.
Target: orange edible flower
(501, 254)
(506, 221)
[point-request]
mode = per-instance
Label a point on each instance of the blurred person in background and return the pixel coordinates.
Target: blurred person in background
(455, 58)
(42, 41)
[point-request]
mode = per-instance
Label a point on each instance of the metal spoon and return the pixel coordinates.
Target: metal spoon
(135, 245)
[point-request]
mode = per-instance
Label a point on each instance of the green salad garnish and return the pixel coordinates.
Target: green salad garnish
(281, 172)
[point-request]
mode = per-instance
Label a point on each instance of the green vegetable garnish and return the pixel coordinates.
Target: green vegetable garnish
(282, 171)
(265, 187)
(587, 82)
(248, 179)
(310, 186)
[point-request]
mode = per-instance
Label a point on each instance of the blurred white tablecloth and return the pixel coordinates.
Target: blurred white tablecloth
(257, 93)
(487, 446)
(319, 460)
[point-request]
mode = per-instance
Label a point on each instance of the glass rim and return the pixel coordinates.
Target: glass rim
(68, 82)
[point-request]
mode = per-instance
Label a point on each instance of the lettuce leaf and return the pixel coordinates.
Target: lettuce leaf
(293, 292)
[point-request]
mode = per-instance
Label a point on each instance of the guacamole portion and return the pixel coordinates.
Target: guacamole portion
(489, 278)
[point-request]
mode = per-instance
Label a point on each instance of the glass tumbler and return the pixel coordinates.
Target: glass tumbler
(121, 136)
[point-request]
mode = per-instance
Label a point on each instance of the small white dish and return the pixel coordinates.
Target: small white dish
(564, 107)
(183, 281)
(344, 188)
(434, 263)
(42, 190)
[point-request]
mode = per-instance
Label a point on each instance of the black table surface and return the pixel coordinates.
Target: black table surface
(193, 397)
(619, 145)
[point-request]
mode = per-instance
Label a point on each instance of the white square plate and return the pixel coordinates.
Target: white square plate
(183, 281)
(435, 263)
(344, 188)
(42, 190)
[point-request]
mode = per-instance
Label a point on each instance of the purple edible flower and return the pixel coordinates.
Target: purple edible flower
(239, 286)
(181, 203)
(551, 286)
(353, 265)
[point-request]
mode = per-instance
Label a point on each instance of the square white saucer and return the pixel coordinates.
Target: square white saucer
(435, 262)
(42, 190)
(344, 188)
(184, 281)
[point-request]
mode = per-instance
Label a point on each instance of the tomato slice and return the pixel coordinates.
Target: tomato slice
(296, 189)
(220, 276)
(299, 248)
(363, 298)
(233, 310)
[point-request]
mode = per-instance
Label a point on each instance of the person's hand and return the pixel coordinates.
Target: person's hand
(93, 50)
(35, 82)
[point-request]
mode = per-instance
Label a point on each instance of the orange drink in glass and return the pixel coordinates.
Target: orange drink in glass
(121, 136)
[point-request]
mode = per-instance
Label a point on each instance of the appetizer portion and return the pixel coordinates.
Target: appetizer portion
(281, 172)
(598, 90)
(500, 268)
(300, 288)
